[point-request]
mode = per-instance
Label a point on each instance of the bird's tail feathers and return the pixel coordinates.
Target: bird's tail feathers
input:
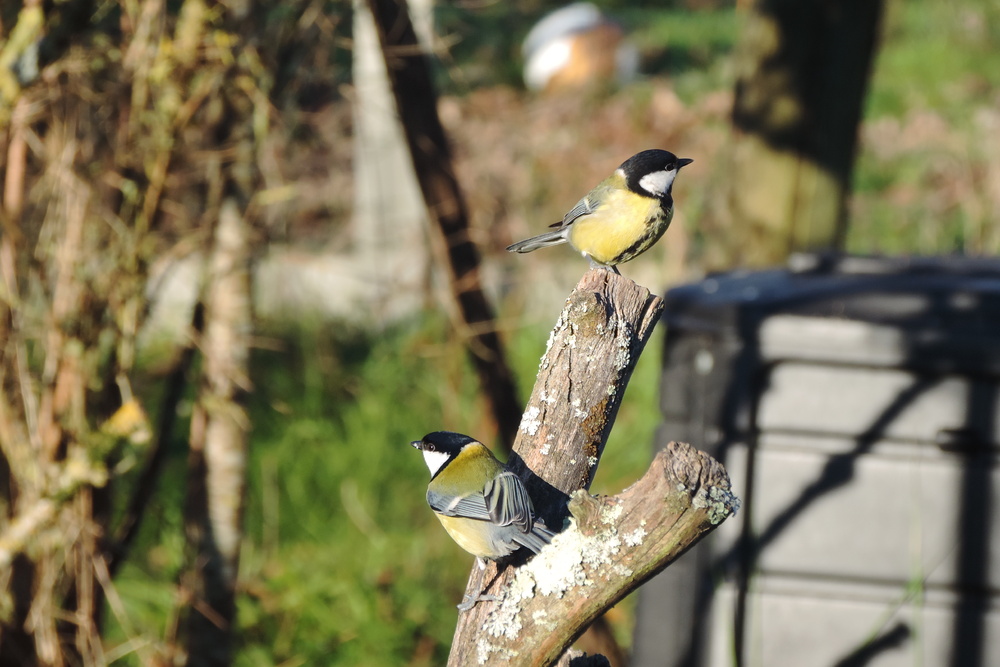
(540, 241)
(536, 539)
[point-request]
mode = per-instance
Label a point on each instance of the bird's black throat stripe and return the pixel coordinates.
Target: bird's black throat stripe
(631, 251)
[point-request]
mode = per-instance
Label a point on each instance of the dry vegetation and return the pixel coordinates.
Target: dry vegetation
(125, 150)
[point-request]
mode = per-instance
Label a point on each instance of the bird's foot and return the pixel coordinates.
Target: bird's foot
(469, 601)
(594, 264)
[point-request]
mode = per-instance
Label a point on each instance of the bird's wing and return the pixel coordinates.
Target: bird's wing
(508, 501)
(472, 506)
(582, 208)
(504, 501)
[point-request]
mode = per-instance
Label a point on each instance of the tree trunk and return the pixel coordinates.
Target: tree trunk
(804, 66)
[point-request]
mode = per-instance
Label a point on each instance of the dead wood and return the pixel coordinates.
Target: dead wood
(610, 545)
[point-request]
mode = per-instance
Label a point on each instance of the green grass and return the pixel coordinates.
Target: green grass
(343, 562)
(921, 181)
(692, 48)
(938, 55)
(353, 569)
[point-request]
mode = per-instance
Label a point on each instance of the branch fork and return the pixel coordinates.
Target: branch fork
(611, 544)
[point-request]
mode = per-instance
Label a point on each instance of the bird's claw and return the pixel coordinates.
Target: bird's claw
(594, 264)
(469, 601)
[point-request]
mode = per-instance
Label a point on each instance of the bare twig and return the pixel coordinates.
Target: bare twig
(76, 472)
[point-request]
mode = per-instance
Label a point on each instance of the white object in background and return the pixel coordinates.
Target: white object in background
(576, 46)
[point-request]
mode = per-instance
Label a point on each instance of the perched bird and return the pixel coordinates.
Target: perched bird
(483, 506)
(621, 217)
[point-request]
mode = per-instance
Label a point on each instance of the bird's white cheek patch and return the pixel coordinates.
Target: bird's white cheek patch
(657, 183)
(434, 460)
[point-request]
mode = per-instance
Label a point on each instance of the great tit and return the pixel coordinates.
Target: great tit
(483, 506)
(621, 217)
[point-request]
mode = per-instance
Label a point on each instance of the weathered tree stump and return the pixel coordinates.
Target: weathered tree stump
(611, 545)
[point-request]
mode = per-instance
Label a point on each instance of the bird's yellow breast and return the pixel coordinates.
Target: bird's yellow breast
(624, 226)
(476, 537)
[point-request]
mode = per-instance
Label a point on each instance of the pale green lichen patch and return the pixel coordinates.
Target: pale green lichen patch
(559, 566)
(530, 423)
(541, 617)
(634, 538)
(485, 648)
(600, 556)
(719, 502)
(547, 445)
(623, 340)
(562, 323)
(610, 513)
(505, 620)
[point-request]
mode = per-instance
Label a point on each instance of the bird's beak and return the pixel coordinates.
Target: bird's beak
(683, 162)
(417, 444)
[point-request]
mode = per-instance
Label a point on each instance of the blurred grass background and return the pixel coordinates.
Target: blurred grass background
(343, 563)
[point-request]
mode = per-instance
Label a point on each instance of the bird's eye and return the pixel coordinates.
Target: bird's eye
(671, 166)
(429, 448)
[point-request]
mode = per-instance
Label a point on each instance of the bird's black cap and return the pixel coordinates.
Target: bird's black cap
(648, 161)
(442, 441)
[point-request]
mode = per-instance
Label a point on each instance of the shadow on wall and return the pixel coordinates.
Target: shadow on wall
(855, 402)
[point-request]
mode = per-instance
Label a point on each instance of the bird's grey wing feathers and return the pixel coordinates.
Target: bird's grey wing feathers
(536, 539)
(471, 507)
(504, 501)
(508, 501)
(582, 208)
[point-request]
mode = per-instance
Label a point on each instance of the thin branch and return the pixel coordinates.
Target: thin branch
(29, 522)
